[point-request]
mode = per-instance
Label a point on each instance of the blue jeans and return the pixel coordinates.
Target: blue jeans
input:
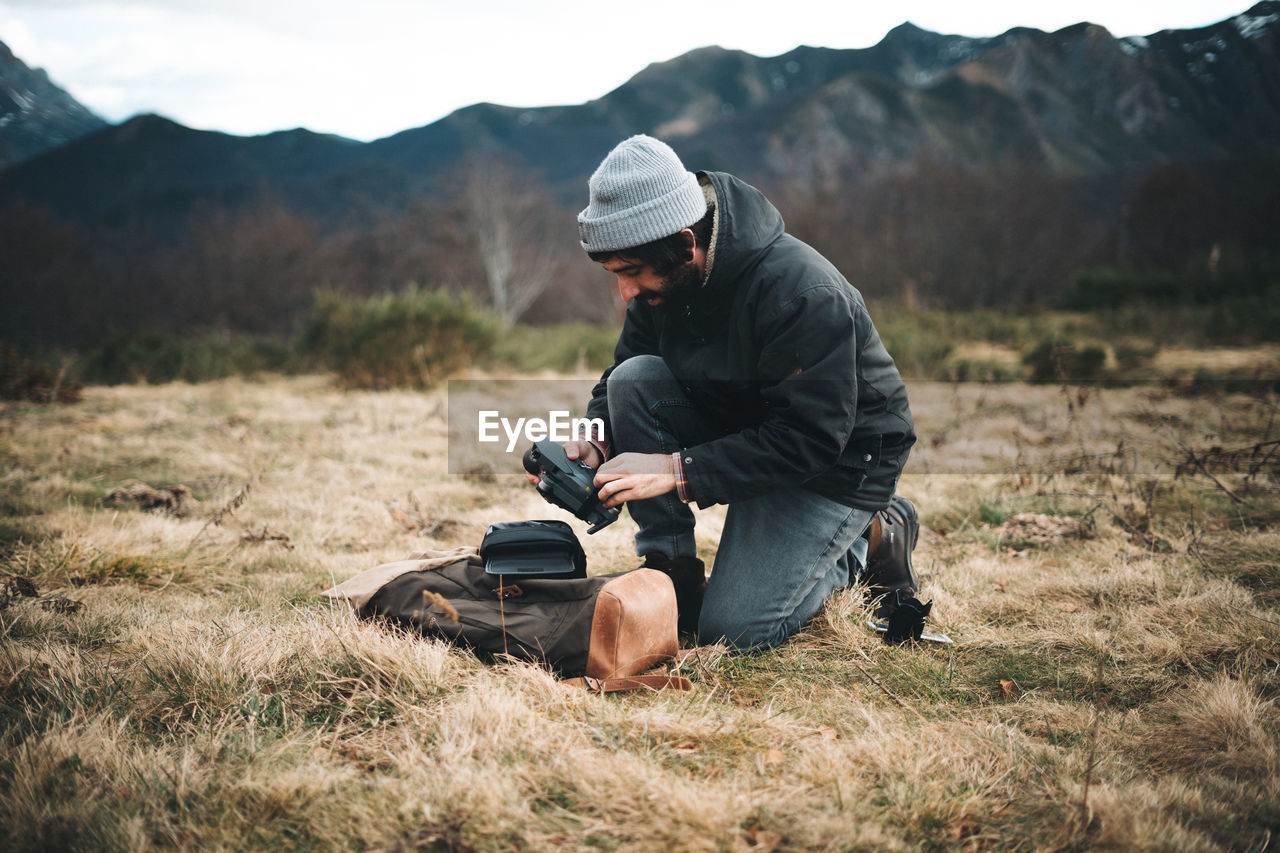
(781, 555)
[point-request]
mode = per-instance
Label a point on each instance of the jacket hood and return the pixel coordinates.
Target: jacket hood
(747, 224)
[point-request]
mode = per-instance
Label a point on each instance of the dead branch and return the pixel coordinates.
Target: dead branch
(1198, 462)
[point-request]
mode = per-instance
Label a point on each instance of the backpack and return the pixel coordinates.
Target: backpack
(604, 633)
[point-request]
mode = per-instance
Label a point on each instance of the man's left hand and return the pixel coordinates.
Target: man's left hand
(635, 477)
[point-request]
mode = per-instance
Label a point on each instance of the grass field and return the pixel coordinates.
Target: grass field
(1108, 562)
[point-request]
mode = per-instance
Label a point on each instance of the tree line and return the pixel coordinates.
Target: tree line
(928, 236)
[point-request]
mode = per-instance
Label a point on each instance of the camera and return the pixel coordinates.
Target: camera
(568, 483)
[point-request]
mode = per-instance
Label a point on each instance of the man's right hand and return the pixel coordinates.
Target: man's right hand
(584, 450)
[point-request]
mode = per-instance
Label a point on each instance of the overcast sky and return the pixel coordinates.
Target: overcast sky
(370, 68)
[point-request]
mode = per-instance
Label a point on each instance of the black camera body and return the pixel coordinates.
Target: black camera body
(568, 483)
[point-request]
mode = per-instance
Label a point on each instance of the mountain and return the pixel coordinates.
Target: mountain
(709, 95)
(156, 169)
(1076, 101)
(36, 115)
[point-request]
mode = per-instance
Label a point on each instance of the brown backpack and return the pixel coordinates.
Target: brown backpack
(605, 633)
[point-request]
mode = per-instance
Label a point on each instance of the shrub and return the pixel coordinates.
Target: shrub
(564, 347)
(1054, 360)
(1196, 307)
(1135, 355)
(919, 342)
(197, 356)
(23, 379)
(1111, 287)
(414, 338)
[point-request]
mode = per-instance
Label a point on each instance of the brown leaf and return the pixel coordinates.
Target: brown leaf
(1007, 688)
(764, 840)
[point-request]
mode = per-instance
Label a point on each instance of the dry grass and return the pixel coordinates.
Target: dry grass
(1113, 685)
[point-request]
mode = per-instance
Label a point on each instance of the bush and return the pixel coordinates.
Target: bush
(23, 379)
(1237, 307)
(1110, 287)
(414, 338)
(1054, 360)
(198, 356)
(1135, 355)
(919, 342)
(564, 347)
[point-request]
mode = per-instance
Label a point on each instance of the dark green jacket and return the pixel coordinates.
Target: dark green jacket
(778, 351)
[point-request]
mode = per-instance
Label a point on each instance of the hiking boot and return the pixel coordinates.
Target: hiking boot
(689, 577)
(893, 536)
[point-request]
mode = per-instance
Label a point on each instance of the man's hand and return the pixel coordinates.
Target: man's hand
(584, 450)
(635, 477)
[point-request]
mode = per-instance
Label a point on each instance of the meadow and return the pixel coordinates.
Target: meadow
(1106, 560)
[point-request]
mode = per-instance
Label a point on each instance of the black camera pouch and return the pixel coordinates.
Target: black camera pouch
(541, 549)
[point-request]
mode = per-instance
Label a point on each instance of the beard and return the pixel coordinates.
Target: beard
(680, 286)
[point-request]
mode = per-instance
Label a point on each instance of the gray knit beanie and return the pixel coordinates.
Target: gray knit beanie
(640, 193)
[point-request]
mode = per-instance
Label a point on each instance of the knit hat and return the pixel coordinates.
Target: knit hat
(640, 193)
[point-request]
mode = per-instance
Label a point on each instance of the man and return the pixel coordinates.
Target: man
(747, 373)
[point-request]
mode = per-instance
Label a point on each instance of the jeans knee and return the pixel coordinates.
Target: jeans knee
(738, 632)
(640, 368)
(636, 384)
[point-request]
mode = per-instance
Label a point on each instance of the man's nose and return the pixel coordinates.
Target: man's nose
(629, 289)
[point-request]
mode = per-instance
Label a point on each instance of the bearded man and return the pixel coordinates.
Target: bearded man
(748, 373)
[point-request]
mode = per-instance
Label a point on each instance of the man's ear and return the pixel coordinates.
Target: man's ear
(691, 243)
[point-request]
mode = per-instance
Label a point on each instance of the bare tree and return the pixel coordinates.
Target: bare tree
(510, 220)
(249, 270)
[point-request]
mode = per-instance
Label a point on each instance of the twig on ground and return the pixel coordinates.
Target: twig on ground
(878, 683)
(1196, 461)
(1261, 618)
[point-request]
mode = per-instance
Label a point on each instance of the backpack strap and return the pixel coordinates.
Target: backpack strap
(631, 682)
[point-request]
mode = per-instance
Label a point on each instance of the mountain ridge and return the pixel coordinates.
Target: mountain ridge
(35, 113)
(1075, 101)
